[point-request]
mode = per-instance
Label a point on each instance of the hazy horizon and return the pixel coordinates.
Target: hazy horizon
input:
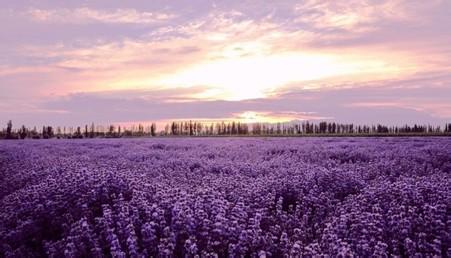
(360, 61)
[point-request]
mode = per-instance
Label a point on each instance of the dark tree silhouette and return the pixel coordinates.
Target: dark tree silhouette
(92, 131)
(153, 129)
(9, 129)
(78, 134)
(229, 128)
(23, 132)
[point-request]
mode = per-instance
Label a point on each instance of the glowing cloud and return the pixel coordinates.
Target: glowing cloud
(238, 78)
(238, 55)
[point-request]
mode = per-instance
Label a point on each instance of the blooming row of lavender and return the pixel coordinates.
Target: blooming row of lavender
(226, 197)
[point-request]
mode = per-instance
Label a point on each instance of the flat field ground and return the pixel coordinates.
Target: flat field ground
(226, 197)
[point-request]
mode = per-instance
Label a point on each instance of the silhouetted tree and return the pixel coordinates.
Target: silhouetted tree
(191, 129)
(111, 131)
(153, 129)
(50, 132)
(23, 132)
(44, 133)
(9, 129)
(140, 130)
(92, 131)
(34, 133)
(78, 133)
(174, 128)
(447, 128)
(196, 128)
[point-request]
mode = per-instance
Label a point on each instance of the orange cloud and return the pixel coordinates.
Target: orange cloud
(231, 56)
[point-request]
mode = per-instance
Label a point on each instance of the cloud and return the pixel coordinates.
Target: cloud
(358, 15)
(276, 117)
(395, 24)
(418, 100)
(140, 63)
(86, 16)
(281, 53)
(232, 55)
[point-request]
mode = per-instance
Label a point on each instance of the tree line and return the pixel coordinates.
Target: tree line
(229, 128)
(79, 132)
(193, 128)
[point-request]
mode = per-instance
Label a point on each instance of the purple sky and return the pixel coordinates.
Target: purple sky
(75, 62)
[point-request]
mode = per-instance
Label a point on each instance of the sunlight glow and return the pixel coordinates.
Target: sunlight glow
(270, 117)
(249, 77)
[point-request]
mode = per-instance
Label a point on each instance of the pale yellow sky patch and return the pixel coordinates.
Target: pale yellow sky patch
(248, 77)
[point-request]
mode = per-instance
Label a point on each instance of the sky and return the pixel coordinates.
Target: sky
(362, 61)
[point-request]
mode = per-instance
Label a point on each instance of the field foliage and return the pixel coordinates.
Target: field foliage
(226, 197)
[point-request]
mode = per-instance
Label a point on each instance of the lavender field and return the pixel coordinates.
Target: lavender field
(226, 197)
